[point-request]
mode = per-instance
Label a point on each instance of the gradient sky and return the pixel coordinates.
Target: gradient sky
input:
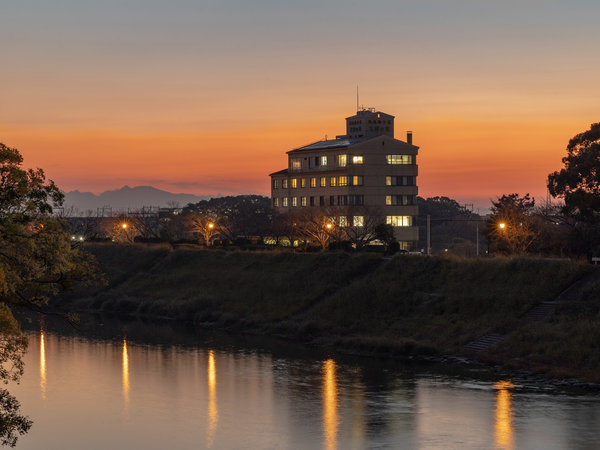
(206, 97)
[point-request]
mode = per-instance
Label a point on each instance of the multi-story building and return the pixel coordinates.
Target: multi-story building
(367, 168)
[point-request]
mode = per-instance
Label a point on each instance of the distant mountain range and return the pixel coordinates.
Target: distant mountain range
(128, 198)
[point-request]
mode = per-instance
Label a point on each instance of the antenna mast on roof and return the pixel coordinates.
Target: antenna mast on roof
(357, 98)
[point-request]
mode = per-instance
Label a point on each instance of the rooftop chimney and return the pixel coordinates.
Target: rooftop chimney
(409, 137)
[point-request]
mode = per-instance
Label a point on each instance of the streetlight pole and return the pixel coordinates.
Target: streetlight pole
(428, 234)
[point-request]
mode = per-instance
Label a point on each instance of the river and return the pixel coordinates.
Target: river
(136, 385)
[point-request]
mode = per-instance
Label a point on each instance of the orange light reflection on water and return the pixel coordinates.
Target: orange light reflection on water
(330, 403)
(42, 365)
(125, 374)
(504, 425)
(213, 412)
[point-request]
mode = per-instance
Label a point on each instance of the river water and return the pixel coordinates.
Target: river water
(155, 386)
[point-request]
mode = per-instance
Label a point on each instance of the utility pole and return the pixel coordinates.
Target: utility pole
(477, 223)
(428, 234)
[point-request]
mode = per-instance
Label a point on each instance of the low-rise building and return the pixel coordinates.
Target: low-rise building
(364, 175)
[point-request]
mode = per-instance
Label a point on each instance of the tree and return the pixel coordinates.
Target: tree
(314, 226)
(512, 226)
(37, 261)
(579, 181)
(206, 225)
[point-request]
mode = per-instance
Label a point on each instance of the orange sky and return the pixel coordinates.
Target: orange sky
(206, 99)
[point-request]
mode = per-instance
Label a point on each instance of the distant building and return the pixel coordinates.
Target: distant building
(366, 167)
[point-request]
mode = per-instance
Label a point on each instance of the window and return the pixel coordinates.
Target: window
(357, 159)
(399, 221)
(296, 163)
(342, 200)
(294, 201)
(275, 201)
(356, 199)
(323, 182)
(313, 182)
(400, 181)
(343, 221)
(358, 221)
(332, 181)
(342, 180)
(321, 201)
(342, 160)
(331, 200)
(323, 160)
(303, 182)
(284, 202)
(294, 183)
(357, 180)
(284, 183)
(400, 200)
(302, 201)
(275, 184)
(312, 201)
(399, 159)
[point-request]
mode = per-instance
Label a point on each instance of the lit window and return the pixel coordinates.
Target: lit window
(323, 182)
(294, 201)
(275, 201)
(294, 183)
(388, 199)
(357, 180)
(313, 182)
(302, 201)
(333, 181)
(358, 221)
(284, 183)
(357, 159)
(342, 160)
(400, 200)
(323, 160)
(343, 222)
(296, 163)
(400, 181)
(399, 159)
(399, 221)
(303, 182)
(275, 184)
(284, 202)
(343, 180)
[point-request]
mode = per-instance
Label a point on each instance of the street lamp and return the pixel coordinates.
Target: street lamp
(502, 225)
(124, 225)
(211, 225)
(329, 226)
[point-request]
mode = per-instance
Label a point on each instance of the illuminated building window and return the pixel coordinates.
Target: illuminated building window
(313, 182)
(342, 160)
(399, 159)
(302, 201)
(400, 181)
(332, 181)
(357, 180)
(275, 183)
(275, 201)
(323, 182)
(400, 200)
(358, 221)
(303, 182)
(296, 163)
(294, 201)
(399, 221)
(343, 221)
(342, 180)
(284, 202)
(284, 183)
(357, 159)
(323, 160)
(294, 183)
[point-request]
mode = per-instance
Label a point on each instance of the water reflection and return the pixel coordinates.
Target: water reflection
(125, 374)
(42, 364)
(330, 403)
(504, 425)
(213, 412)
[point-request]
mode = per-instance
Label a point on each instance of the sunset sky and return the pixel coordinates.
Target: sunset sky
(206, 97)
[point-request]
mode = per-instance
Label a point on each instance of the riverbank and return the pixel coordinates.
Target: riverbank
(406, 305)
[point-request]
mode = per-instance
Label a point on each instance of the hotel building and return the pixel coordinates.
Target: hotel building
(365, 171)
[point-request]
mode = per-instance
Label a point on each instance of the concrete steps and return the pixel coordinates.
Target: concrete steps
(484, 342)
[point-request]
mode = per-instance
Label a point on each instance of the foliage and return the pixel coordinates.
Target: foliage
(512, 227)
(37, 261)
(579, 181)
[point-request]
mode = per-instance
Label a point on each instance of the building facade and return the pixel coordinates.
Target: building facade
(365, 175)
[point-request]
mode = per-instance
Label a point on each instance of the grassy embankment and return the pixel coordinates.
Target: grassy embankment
(403, 305)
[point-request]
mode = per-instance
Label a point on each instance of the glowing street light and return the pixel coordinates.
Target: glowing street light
(329, 226)
(211, 225)
(502, 225)
(124, 225)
